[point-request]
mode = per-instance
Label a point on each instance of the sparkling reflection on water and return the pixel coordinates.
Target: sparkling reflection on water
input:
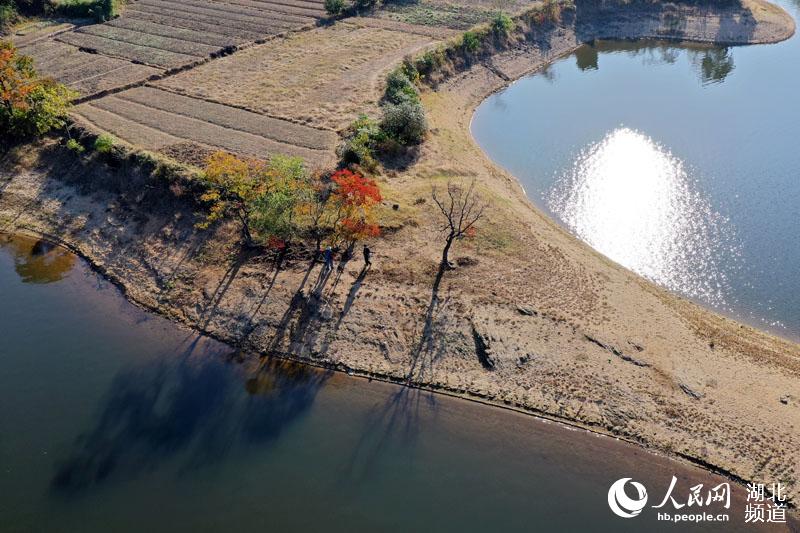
(635, 202)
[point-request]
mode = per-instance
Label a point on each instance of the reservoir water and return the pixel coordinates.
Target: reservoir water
(678, 162)
(113, 419)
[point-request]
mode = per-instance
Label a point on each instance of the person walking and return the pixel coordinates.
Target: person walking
(328, 255)
(367, 256)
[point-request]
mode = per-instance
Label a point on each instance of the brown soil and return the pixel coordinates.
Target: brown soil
(532, 318)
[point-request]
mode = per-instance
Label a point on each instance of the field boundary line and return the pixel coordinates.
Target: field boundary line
(267, 8)
(272, 138)
(142, 45)
(144, 16)
(171, 4)
(322, 152)
(94, 128)
(100, 74)
(110, 23)
(95, 51)
(186, 18)
(162, 36)
(51, 36)
(184, 14)
(319, 5)
(241, 108)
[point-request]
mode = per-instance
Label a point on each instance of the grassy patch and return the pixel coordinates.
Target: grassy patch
(458, 17)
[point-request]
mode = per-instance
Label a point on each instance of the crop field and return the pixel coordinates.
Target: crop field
(289, 95)
(456, 15)
(84, 72)
(323, 77)
(159, 120)
(154, 36)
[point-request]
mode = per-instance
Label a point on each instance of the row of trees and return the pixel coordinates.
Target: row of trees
(12, 10)
(279, 202)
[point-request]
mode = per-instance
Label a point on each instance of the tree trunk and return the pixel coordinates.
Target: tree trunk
(446, 251)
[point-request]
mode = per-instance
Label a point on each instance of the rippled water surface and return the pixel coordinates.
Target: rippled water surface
(680, 163)
(114, 420)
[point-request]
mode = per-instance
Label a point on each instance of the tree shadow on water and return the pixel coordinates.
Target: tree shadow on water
(190, 411)
(395, 423)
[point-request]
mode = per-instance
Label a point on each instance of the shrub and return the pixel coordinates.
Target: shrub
(364, 4)
(405, 122)
(409, 68)
(552, 10)
(471, 42)
(29, 106)
(502, 24)
(8, 15)
(399, 88)
(334, 7)
(361, 141)
(75, 146)
(100, 10)
(104, 143)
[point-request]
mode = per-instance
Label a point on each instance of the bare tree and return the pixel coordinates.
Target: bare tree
(461, 209)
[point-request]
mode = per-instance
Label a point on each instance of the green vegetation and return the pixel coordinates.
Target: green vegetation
(460, 52)
(471, 41)
(104, 144)
(278, 202)
(502, 24)
(75, 146)
(459, 17)
(29, 105)
(334, 7)
(8, 15)
(362, 140)
(403, 122)
(99, 10)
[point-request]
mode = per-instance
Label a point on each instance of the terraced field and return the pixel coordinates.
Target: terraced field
(323, 77)
(189, 128)
(455, 15)
(154, 37)
(162, 76)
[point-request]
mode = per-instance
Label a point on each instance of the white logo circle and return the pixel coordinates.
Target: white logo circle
(621, 504)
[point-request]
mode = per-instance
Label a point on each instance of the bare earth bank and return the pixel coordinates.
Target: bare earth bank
(532, 318)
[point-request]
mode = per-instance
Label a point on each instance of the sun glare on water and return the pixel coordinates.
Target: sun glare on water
(633, 201)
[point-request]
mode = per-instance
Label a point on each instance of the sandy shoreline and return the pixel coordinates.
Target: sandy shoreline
(574, 337)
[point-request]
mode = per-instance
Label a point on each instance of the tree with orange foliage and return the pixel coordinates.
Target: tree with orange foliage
(233, 186)
(267, 198)
(352, 200)
(29, 105)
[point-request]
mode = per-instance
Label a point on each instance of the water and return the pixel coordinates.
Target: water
(112, 419)
(678, 162)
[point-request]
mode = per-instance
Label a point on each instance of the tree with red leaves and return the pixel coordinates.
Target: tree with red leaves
(353, 198)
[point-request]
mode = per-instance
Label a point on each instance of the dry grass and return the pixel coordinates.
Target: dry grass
(324, 77)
